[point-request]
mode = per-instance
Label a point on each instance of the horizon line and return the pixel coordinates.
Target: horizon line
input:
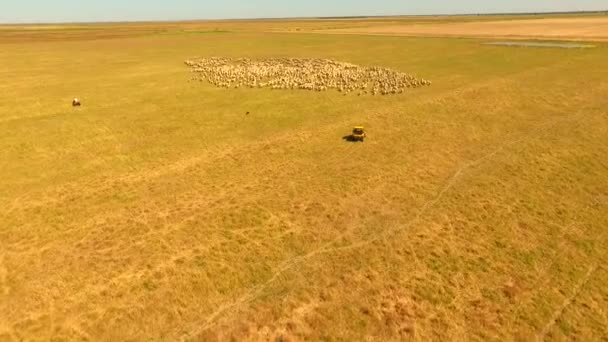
(143, 21)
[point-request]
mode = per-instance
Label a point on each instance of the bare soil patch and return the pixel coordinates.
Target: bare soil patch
(557, 28)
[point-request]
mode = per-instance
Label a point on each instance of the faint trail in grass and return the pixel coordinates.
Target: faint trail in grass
(543, 275)
(567, 302)
(254, 292)
(4, 288)
(458, 301)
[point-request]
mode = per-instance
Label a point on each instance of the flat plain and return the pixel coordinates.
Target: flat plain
(587, 28)
(476, 210)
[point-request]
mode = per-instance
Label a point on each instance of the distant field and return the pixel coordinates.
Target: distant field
(476, 210)
(590, 28)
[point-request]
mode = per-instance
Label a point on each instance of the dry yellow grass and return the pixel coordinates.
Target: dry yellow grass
(159, 211)
(591, 28)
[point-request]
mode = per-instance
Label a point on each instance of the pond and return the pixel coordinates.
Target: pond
(543, 44)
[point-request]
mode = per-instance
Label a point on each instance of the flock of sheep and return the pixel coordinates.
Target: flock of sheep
(306, 74)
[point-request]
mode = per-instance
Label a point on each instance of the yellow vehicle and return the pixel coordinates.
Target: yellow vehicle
(358, 133)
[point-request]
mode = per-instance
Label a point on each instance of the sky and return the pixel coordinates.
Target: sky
(33, 11)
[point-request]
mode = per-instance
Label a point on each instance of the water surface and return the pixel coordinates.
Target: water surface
(542, 44)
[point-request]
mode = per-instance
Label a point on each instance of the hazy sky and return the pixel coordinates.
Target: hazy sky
(122, 10)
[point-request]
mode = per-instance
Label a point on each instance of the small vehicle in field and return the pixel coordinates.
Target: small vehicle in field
(358, 134)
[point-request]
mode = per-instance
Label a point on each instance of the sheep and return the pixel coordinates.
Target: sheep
(303, 74)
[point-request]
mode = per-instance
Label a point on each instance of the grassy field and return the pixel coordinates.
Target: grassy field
(477, 209)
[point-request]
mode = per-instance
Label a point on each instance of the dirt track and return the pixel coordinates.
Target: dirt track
(595, 28)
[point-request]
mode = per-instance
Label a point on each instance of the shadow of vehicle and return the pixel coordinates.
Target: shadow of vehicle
(351, 138)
